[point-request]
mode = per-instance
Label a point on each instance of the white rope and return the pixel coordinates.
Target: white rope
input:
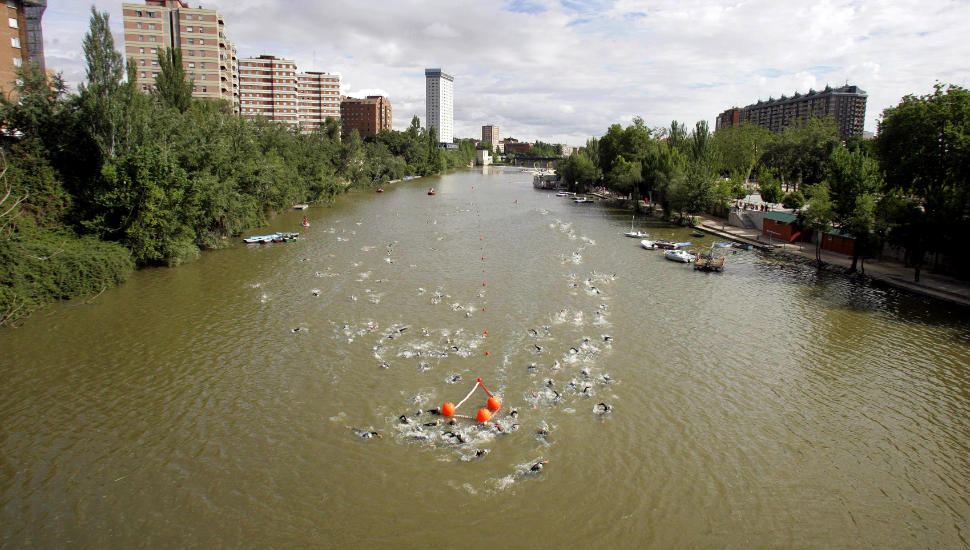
(467, 396)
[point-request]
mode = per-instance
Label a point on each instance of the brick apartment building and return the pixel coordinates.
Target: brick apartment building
(319, 98)
(274, 88)
(267, 87)
(208, 57)
(368, 116)
(490, 134)
(846, 104)
(23, 38)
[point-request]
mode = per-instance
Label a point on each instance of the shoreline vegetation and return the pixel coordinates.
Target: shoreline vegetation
(109, 179)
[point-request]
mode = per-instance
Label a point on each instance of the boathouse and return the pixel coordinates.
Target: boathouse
(834, 240)
(781, 226)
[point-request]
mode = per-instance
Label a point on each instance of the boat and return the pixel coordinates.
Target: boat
(635, 234)
(679, 256)
(582, 200)
(743, 246)
(709, 262)
(379, 190)
(546, 179)
(300, 206)
(431, 191)
(667, 245)
(723, 245)
(565, 194)
(698, 234)
(258, 239)
(649, 245)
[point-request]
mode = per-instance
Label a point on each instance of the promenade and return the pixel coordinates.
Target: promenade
(894, 274)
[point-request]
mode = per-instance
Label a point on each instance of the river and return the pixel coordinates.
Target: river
(208, 406)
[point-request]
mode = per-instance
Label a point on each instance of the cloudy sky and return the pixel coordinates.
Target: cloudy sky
(562, 71)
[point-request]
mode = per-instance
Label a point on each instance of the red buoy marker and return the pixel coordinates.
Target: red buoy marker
(448, 409)
(494, 403)
(484, 415)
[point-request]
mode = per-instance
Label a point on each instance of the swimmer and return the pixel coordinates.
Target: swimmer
(586, 390)
(573, 351)
(585, 373)
(550, 382)
(542, 433)
(538, 349)
(481, 452)
(455, 435)
(532, 368)
(514, 413)
(607, 379)
(603, 407)
(455, 378)
(533, 332)
(537, 467)
(384, 365)
(432, 424)
(556, 366)
(364, 433)
(607, 338)
(404, 419)
(558, 397)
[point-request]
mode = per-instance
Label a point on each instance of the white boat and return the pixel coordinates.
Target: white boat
(565, 194)
(546, 179)
(649, 245)
(723, 245)
(582, 200)
(635, 234)
(679, 256)
(300, 206)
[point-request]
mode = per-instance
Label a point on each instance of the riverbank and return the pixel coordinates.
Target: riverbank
(892, 274)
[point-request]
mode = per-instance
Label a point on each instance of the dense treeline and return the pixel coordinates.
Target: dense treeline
(109, 177)
(909, 186)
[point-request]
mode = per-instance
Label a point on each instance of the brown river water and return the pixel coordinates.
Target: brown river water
(768, 406)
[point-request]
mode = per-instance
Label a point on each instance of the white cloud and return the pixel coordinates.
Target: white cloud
(542, 70)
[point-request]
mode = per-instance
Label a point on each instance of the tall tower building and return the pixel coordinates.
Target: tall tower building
(845, 104)
(319, 96)
(208, 56)
(440, 106)
(490, 135)
(23, 38)
(268, 88)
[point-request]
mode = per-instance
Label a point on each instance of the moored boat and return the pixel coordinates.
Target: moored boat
(300, 206)
(681, 256)
(582, 200)
(565, 194)
(723, 245)
(698, 234)
(648, 244)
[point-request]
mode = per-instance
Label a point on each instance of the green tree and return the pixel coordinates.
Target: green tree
(793, 200)
(854, 179)
(172, 89)
(740, 148)
(99, 97)
(770, 187)
(817, 216)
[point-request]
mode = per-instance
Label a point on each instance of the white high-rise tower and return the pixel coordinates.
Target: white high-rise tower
(440, 106)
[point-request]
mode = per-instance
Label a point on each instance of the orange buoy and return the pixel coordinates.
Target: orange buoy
(448, 409)
(494, 403)
(486, 333)
(486, 353)
(484, 415)
(483, 284)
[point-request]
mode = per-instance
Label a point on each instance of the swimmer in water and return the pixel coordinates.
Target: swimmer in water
(542, 433)
(537, 467)
(603, 407)
(538, 349)
(481, 452)
(404, 419)
(550, 382)
(364, 433)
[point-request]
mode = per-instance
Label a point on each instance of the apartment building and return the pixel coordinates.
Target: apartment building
(23, 38)
(209, 58)
(846, 104)
(268, 87)
(490, 135)
(319, 98)
(368, 116)
(440, 104)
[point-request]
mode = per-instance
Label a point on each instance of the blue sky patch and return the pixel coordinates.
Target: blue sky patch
(524, 6)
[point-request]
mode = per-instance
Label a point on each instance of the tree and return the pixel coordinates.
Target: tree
(794, 200)
(578, 171)
(800, 154)
(854, 178)
(99, 97)
(923, 144)
(770, 188)
(817, 216)
(172, 89)
(740, 147)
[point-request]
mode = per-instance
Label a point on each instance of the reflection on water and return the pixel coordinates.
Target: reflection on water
(770, 405)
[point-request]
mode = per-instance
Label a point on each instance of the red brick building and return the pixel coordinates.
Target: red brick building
(837, 242)
(368, 116)
(780, 226)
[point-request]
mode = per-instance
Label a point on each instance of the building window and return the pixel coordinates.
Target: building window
(140, 26)
(192, 77)
(154, 75)
(138, 13)
(190, 41)
(189, 17)
(151, 14)
(192, 65)
(141, 38)
(143, 75)
(202, 42)
(191, 53)
(203, 89)
(188, 29)
(141, 50)
(202, 64)
(202, 53)
(17, 62)
(153, 39)
(15, 42)
(154, 63)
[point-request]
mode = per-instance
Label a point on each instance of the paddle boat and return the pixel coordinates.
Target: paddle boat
(258, 239)
(681, 256)
(431, 191)
(698, 234)
(722, 245)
